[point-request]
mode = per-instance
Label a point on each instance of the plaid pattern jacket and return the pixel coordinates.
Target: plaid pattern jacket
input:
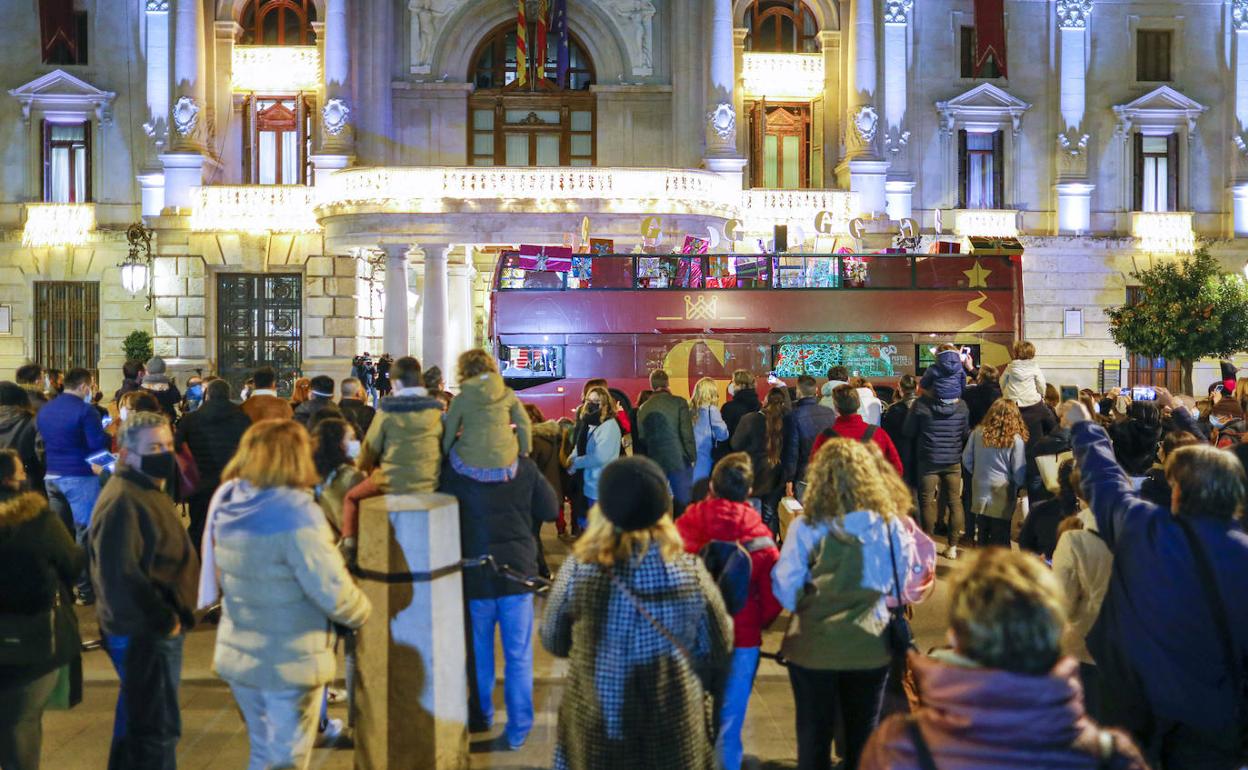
(633, 700)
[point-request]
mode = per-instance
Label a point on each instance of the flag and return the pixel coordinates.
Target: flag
(540, 55)
(559, 28)
(990, 34)
(522, 45)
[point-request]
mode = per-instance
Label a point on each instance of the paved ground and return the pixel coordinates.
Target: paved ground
(214, 736)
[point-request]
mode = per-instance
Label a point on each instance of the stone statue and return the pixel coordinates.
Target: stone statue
(640, 14)
(425, 21)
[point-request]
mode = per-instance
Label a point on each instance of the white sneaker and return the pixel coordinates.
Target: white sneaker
(330, 734)
(951, 553)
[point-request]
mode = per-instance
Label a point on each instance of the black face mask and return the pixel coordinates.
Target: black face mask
(159, 465)
(593, 407)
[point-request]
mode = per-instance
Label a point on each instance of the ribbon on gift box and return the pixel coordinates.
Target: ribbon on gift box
(557, 259)
(695, 245)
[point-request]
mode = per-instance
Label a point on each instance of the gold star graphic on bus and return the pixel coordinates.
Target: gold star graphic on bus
(977, 276)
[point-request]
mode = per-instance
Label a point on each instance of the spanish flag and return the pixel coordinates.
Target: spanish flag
(542, 16)
(522, 45)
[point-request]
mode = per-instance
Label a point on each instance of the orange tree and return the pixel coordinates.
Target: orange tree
(1189, 309)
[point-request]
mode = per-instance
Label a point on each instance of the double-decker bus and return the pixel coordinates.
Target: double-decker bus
(619, 316)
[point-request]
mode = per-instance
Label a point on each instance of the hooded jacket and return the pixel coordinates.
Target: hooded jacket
(166, 393)
(478, 424)
(18, 432)
(940, 432)
(282, 583)
(1022, 382)
(404, 444)
(718, 519)
(665, 431)
(38, 559)
(988, 719)
(945, 379)
(744, 401)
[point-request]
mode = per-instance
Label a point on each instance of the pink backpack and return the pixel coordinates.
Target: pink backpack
(919, 563)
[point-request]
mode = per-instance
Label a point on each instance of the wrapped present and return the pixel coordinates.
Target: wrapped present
(695, 245)
(726, 282)
(601, 246)
(689, 273)
(557, 259)
(752, 267)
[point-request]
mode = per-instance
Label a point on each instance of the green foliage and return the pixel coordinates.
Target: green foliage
(1189, 310)
(137, 345)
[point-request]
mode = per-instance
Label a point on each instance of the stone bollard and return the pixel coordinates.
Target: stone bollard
(411, 687)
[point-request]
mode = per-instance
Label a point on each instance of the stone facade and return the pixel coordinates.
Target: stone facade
(398, 75)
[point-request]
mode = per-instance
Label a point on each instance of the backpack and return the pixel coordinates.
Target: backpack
(731, 567)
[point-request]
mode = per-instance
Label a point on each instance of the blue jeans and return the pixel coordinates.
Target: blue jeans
(73, 498)
(514, 617)
(681, 482)
(732, 711)
(148, 721)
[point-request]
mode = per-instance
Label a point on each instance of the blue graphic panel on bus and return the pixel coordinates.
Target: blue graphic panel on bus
(865, 359)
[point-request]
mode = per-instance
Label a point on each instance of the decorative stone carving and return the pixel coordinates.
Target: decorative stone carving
(1073, 14)
(637, 18)
(1239, 14)
(427, 19)
(334, 116)
(897, 11)
(866, 123)
(157, 6)
(1072, 143)
(896, 144)
(723, 121)
(185, 116)
(1240, 145)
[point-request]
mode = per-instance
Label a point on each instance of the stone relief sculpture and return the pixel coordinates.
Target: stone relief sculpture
(723, 121)
(334, 116)
(427, 19)
(638, 19)
(185, 115)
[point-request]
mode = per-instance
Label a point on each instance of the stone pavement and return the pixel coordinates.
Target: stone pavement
(213, 735)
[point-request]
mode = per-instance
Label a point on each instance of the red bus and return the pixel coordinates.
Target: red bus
(619, 316)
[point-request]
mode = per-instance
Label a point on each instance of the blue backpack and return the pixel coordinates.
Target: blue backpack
(730, 566)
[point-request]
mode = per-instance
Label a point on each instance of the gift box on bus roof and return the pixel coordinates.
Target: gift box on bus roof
(557, 259)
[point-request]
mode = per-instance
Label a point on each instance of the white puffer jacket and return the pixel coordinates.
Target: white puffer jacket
(1023, 382)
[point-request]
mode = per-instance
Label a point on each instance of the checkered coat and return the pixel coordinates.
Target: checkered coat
(632, 699)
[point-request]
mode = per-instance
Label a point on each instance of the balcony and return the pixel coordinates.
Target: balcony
(58, 224)
(254, 209)
(780, 76)
(276, 69)
(985, 223)
(763, 209)
(1168, 232)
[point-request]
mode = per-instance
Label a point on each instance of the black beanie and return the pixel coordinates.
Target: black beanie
(13, 395)
(633, 493)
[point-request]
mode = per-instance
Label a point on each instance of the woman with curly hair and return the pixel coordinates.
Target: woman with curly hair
(761, 435)
(996, 459)
(835, 574)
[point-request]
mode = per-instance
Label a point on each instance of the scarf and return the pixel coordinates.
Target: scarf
(584, 424)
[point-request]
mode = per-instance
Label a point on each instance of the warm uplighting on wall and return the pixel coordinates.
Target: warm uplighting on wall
(254, 209)
(1167, 232)
(276, 69)
(985, 223)
(782, 75)
(58, 224)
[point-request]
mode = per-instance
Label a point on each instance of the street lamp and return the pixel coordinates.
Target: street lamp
(136, 270)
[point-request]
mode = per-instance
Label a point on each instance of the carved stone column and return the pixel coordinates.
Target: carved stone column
(865, 170)
(394, 322)
(721, 113)
(434, 298)
(336, 134)
(1074, 193)
(184, 164)
(899, 187)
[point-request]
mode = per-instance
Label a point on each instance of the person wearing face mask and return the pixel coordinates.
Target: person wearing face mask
(212, 433)
(72, 431)
(597, 437)
(146, 574)
(334, 449)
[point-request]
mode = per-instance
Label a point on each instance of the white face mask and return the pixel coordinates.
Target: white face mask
(123, 413)
(353, 449)
(86, 397)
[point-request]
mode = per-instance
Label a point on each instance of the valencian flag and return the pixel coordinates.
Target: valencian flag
(522, 45)
(540, 55)
(990, 34)
(559, 28)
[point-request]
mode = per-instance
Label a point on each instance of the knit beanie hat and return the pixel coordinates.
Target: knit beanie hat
(633, 493)
(155, 365)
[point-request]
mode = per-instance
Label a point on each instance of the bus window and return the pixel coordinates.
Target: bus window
(926, 356)
(866, 359)
(518, 272)
(674, 272)
(523, 362)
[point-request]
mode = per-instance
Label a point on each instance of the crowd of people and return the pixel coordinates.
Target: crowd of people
(1111, 637)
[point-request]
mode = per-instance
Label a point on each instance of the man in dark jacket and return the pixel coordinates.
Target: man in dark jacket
(665, 431)
(1160, 651)
(30, 378)
(132, 372)
(157, 381)
(983, 394)
(322, 396)
(893, 421)
(940, 429)
(146, 575)
(18, 432)
(72, 431)
(744, 400)
(212, 432)
(498, 519)
(353, 407)
(801, 427)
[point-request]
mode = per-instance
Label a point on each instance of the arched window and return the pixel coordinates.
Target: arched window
(279, 22)
(494, 63)
(781, 26)
(535, 124)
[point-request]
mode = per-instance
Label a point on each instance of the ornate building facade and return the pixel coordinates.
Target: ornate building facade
(329, 176)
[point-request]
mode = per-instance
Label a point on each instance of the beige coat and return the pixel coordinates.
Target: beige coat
(478, 424)
(404, 444)
(1082, 564)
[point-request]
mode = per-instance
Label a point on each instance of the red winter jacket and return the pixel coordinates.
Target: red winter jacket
(717, 519)
(854, 427)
